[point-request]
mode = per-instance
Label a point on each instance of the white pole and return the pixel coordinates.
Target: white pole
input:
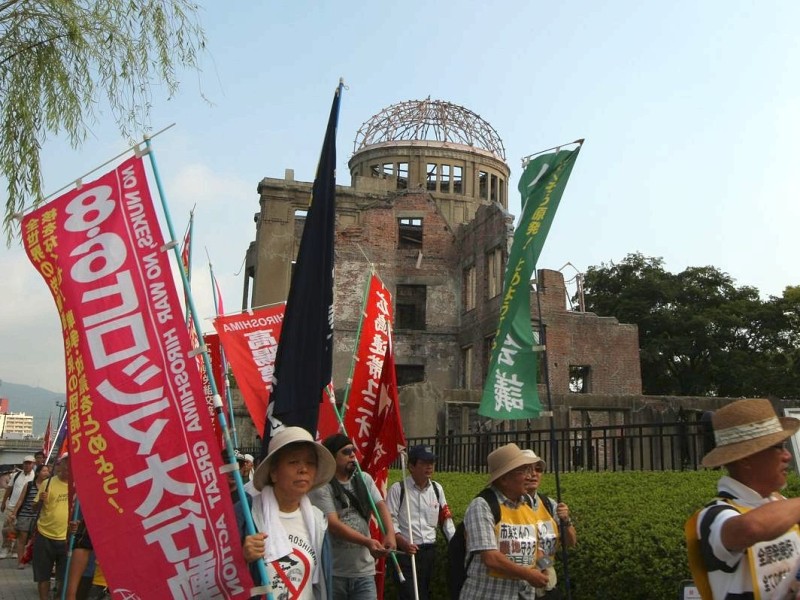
(410, 531)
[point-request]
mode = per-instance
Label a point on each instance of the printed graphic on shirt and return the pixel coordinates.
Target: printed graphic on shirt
(290, 576)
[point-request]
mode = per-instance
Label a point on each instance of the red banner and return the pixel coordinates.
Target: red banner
(215, 357)
(251, 342)
(143, 454)
(372, 402)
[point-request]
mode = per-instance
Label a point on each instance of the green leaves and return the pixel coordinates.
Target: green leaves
(699, 333)
(629, 525)
(61, 61)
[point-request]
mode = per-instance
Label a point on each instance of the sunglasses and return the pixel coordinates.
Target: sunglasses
(348, 451)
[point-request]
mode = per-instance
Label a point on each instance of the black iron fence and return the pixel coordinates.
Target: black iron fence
(675, 446)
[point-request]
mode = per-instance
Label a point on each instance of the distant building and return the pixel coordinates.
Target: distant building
(16, 425)
(428, 209)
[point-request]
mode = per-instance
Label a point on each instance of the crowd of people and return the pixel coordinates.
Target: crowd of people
(311, 506)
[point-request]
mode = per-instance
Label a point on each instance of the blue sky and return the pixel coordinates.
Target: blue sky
(689, 111)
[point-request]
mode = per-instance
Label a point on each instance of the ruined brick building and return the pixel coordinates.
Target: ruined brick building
(427, 208)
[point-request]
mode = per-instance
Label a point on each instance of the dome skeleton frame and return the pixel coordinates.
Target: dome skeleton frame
(433, 120)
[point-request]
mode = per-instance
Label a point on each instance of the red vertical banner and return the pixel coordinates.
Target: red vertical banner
(372, 412)
(251, 343)
(372, 400)
(143, 453)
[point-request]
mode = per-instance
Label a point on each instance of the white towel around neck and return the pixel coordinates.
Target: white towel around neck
(277, 543)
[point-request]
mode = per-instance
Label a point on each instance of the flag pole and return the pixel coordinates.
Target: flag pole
(250, 528)
(223, 360)
(358, 337)
(76, 515)
(553, 444)
(360, 473)
(410, 530)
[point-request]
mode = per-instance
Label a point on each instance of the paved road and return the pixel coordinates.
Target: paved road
(16, 584)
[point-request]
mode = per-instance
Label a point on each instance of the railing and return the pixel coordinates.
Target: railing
(675, 446)
(652, 447)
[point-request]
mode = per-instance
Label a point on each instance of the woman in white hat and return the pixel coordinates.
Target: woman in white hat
(746, 541)
(551, 517)
(292, 531)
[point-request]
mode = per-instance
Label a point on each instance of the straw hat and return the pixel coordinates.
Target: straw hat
(326, 464)
(507, 458)
(745, 427)
(536, 458)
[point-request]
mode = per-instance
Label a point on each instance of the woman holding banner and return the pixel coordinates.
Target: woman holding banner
(293, 533)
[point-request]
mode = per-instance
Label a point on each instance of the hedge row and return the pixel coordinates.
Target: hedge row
(630, 529)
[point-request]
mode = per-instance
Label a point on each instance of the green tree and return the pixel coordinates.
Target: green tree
(62, 61)
(699, 333)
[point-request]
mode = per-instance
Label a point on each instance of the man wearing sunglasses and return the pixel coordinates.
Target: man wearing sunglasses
(346, 503)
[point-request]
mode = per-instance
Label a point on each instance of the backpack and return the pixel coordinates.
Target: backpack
(696, 564)
(458, 561)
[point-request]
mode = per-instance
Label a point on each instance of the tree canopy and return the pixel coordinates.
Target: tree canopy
(699, 333)
(61, 61)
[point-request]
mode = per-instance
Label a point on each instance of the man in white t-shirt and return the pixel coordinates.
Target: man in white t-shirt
(10, 499)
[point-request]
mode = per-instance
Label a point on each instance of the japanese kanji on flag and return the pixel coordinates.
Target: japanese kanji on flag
(142, 449)
(372, 415)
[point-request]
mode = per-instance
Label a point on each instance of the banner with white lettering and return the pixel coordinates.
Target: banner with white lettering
(143, 454)
(250, 340)
(372, 417)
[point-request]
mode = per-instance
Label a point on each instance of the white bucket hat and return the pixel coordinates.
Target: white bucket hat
(505, 459)
(326, 464)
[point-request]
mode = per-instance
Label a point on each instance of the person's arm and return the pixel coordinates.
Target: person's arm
(448, 527)
(21, 500)
(389, 539)
(7, 495)
(570, 535)
(500, 563)
(348, 534)
(760, 524)
(393, 504)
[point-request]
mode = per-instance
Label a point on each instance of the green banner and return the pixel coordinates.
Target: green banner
(510, 390)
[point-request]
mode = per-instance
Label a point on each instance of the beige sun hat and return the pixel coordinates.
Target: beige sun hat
(536, 458)
(507, 458)
(745, 427)
(326, 464)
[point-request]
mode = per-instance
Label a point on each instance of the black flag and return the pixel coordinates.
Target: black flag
(303, 363)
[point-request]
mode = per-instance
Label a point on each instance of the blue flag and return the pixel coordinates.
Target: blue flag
(303, 363)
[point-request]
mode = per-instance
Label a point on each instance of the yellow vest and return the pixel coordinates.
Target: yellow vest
(516, 536)
(769, 562)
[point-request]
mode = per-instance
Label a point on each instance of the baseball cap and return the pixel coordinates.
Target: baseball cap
(421, 452)
(29, 458)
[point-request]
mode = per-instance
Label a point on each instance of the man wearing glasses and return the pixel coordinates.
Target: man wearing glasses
(502, 554)
(746, 542)
(346, 503)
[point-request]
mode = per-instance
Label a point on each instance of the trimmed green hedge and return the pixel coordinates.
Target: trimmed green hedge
(630, 529)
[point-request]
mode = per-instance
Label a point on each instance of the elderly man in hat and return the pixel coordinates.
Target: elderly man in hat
(13, 495)
(746, 541)
(502, 552)
(417, 505)
(346, 503)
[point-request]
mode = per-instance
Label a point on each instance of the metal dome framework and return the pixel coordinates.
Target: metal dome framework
(433, 120)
